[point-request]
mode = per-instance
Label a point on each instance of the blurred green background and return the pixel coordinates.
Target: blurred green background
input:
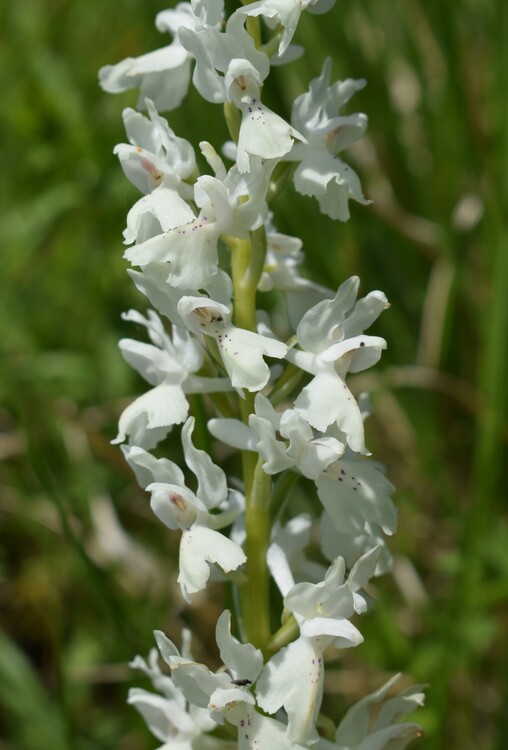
(86, 572)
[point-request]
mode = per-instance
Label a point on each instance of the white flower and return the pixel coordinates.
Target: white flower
(242, 351)
(169, 364)
(219, 691)
(371, 724)
(230, 204)
(320, 172)
(323, 609)
(168, 716)
(293, 678)
(161, 210)
(154, 153)
(287, 14)
(180, 508)
(214, 50)
(262, 132)
(227, 695)
(163, 75)
(152, 282)
(329, 335)
(300, 448)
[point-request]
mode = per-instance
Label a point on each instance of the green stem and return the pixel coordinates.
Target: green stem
(247, 262)
(284, 635)
(255, 593)
(233, 120)
(285, 384)
(281, 492)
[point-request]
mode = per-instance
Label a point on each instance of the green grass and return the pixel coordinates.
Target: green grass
(435, 240)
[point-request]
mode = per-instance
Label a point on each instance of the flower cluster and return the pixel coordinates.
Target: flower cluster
(204, 250)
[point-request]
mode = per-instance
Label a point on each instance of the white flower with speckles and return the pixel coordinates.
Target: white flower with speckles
(332, 344)
(230, 694)
(299, 447)
(357, 498)
(230, 203)
(293, 678)
(154, 154)
(180, 508)
(262, 132)
(242, 351)
(169, 363)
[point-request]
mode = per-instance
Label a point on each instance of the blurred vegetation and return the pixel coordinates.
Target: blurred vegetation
(86, 572)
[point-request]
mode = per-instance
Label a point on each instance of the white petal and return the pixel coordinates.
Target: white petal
(234, 433)
(279, 567)
(293, 679)
(344, 633)
(365, 312)
(318, 328)
(165, 718)
(357, 728)
(354, 492)
(200, 546)
(152, 363)
(149, 419)
(327, 399)
(286, 11)
(260, 732)
(190, 250)
(272, 450)
(242, 352)
(212, 486)
(223, 698)
(165, 206)
(162, 75)
(243, 660)
(149, 469)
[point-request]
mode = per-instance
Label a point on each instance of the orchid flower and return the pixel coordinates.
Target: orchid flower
(300, 447)
(219, 691)
(293, 678)
(242, 351)
(372, 723)
(286, 12)
(169, 364)
(167, 713)
(163, 75)
(154, 154)
(332, 344)
(230, 204)
(262, 132)
(320, 172)
(356, 492)
(214, 52)
(180, 508)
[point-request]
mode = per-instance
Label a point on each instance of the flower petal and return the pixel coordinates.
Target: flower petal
(200, 546)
